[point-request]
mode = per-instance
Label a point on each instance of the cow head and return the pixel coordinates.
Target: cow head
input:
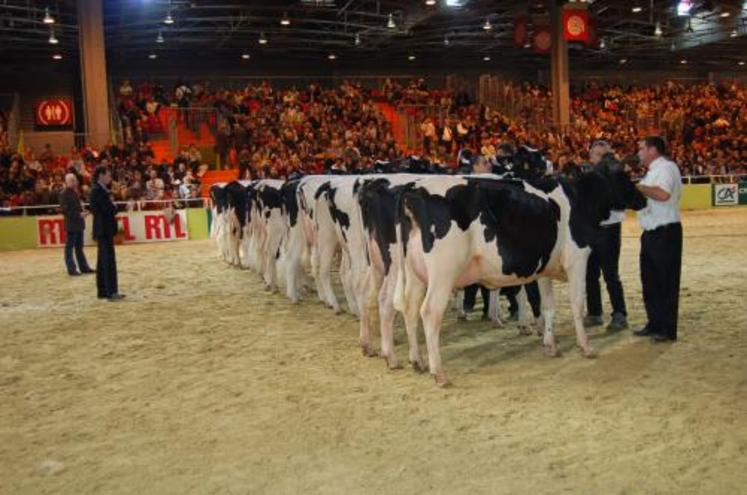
(624, 195)
(607, 187)
(529, 163)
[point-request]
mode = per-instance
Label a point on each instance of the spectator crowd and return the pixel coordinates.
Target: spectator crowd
(268, 132)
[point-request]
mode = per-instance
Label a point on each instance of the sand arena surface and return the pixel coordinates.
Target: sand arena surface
(201, 382)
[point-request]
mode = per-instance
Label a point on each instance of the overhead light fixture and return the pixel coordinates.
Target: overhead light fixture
(683, 61)
(390, 22)
(636, 9)
(52, 38)
(159, 38)
(152, 56)
(455, 3)
(446, 41)
(733, 33)
(262, 40)
(527, 44)
(285, 21)
(602, 44)
(725, 13)
(684, 7)
(411, 57)
(57, 56)
(487, 26)
(430, 3)
(246, 56)
(48, 19)
(486, 58)
(357, 39)
(623, 61)
(658, 31)
(332, 56)
(741, 62)
(168, 20)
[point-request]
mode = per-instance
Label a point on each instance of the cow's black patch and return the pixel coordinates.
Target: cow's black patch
(290, 200)
(378, 211)
(237, 199)
(338, 216)
(523, 226)
(218, 197)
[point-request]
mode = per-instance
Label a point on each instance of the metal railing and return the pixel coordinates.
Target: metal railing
(714, 179)
(131, 205)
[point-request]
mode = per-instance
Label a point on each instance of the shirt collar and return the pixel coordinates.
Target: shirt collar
(656, 163)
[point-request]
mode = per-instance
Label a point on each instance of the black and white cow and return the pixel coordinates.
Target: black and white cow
(266, 230)
(321, 237)
(377, 203)
(294, 246)
(456, 231)
(218, 206)
(234, 221)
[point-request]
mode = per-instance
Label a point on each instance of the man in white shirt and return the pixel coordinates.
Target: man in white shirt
(661, 241)
(605, 260)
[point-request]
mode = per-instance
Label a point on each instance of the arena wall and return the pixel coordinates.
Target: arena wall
(20, 232)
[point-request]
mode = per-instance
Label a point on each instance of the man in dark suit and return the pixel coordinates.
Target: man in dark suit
(104, 229)
(74, 227)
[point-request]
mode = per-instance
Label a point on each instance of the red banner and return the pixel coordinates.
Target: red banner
(542, 41)
(54, 112)
(135, 226)
(521, 31)
(576, 25)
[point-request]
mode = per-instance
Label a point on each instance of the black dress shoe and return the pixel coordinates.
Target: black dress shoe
(74, 274)
(87, 272)
(116, 297)
(658, 338)
(644, 332)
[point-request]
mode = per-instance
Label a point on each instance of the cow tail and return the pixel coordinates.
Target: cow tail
(400, 218)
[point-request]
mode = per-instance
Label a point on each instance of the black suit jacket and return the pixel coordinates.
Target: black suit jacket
(70, 206)
(104, 213)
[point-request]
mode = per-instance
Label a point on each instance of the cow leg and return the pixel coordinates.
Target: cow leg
(548, 315)
(314, 261)
(368, 311)
(413, 297)
(432, 312)
(459, 305)
(494, 308)
(348, 285)
(525, 318)
(386, 319)
(326, 257)
(246, 241)
(270, 271)
(577, 295)
(293, 269)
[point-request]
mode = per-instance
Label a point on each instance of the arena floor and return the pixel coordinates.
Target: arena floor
(201, 382)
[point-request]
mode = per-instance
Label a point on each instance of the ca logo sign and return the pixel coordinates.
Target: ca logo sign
(726, 194)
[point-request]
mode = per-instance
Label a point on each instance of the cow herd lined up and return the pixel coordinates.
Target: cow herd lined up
(408, 241)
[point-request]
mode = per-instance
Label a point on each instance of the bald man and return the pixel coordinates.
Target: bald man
(72, 210)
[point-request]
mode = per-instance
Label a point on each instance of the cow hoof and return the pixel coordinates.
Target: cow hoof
(497, 323)
(525, 330)
(589, 353)
(367, 351)
(441, 379)
(418, 366)
(461, 317)
(393, 363)
(552, 351)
